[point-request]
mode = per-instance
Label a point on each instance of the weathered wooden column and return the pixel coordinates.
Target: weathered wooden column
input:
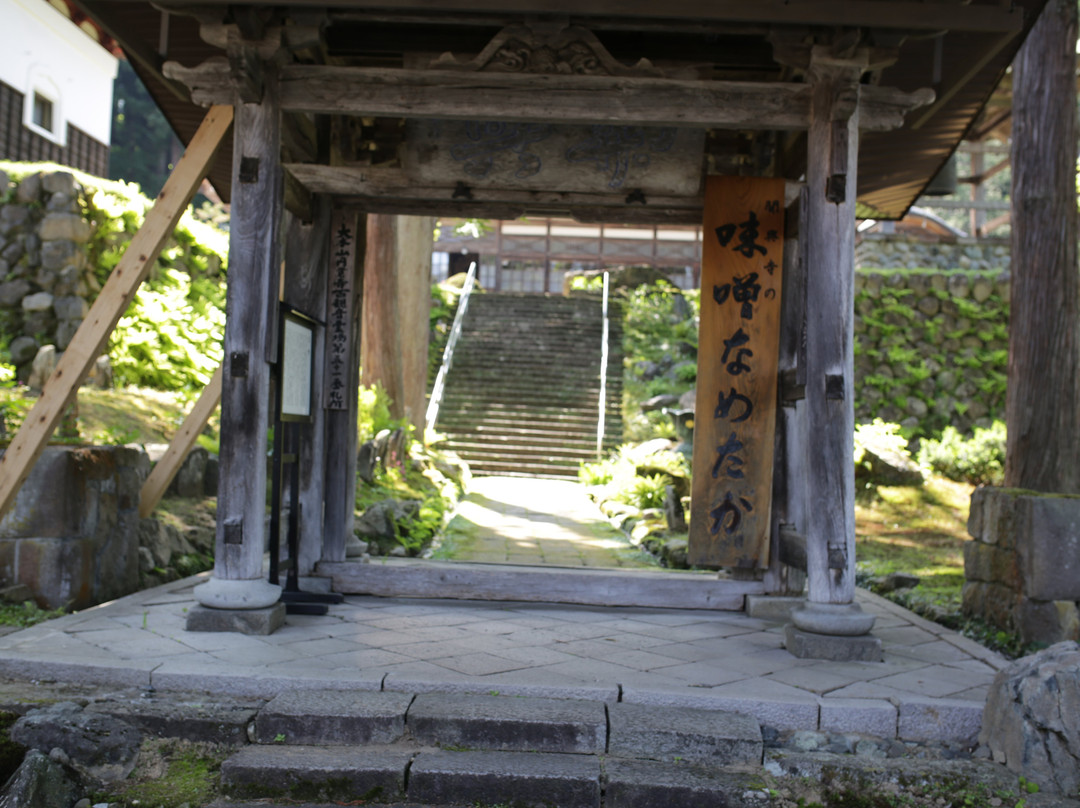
(831, 625)
(307, 255)
(238, 581)
(341, 378)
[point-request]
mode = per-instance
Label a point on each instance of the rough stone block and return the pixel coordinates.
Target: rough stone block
(1030, 718)
(865, 716)
(59, 182)
(650, 784)
(316, 773)
(926, 719)
(772, 607)
(1050, 547)
(68, 226)
(999, 517)
(1047, 622)
(12, 293)
(241, 621)
(511, 724)
(517, 778)
(992, 564)
(70, 307)
(807, 645)
(333, 717)
(671, 733)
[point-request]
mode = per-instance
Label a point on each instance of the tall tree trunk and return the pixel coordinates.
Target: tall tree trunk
(1043, 403)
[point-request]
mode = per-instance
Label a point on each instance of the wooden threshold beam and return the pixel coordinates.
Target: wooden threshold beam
(547, 98)
(388, 190)
(901, 14)
(111, 303)
(169, 464)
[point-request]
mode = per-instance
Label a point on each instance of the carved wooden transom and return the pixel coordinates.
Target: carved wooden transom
(527, 49)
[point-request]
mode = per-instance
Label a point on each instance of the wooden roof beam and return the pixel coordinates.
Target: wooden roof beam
(899, 14)
(549, 98)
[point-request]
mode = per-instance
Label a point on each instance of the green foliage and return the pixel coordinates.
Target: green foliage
(879, 434)
(979, 460)
(373, 412)
(636, 480)
(645, 491)
(657, 332)
(170, 337)
(26, 614)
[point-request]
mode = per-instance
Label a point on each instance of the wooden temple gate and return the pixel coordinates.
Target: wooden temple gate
(744, 118)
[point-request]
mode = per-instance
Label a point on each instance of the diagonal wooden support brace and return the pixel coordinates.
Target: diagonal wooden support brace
(170, 462)
(111, 303)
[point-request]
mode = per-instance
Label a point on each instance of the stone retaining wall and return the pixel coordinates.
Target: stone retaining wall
(1022, 569)
(931, 347)
(72, 535)
(60, 234)
(46, 280)
(899, 252)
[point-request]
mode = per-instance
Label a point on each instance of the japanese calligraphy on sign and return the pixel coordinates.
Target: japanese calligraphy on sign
(735, 418)
(339, 314)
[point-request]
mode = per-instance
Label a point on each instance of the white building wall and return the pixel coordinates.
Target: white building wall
(42, 50)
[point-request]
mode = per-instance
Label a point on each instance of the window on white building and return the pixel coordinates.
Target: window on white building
(42, 114)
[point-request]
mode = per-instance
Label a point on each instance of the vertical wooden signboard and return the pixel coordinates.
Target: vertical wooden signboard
(735, 414)
(337, 374)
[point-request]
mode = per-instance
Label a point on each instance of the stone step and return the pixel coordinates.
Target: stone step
(333, 717)
(351, 746)
(494, 449)
(533, 439)
(503, 724)
(507, 724)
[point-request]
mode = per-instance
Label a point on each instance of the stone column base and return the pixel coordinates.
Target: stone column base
(244, 593)
(837, 648)
(242, 621)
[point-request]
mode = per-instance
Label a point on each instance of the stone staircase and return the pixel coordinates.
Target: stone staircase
(446, 749)
(522, 396)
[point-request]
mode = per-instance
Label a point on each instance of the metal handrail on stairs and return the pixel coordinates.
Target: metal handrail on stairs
(448, 353)
(603, 375)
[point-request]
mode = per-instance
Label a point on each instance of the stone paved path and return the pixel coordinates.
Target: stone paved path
(518, 520)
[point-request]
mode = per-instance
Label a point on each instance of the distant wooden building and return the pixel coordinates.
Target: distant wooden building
(56, 86)
(769, 125)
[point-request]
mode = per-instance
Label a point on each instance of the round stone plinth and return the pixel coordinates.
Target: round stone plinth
(221, 593)
(836, 619)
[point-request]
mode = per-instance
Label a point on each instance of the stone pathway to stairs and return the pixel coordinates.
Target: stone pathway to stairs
(518, 520)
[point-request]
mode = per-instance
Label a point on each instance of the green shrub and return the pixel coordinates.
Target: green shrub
(646, 491)
(979, 460)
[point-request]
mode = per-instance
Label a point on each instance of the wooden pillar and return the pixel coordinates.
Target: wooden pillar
(832, 156)
(307, 256)
(788, 503)
(396, 307)
(251, 312)
(345, 302)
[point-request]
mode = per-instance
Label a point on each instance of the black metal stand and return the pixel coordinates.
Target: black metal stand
(287, 454)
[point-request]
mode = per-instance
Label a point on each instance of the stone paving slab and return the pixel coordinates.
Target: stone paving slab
(518, 778)
(342, 717)
(674, 734)
(671, 657)
(509, 724)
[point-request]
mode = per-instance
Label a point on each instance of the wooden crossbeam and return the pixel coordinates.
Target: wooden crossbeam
(111, 303)
(169, 464)
(548, 98)
(902, 14)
